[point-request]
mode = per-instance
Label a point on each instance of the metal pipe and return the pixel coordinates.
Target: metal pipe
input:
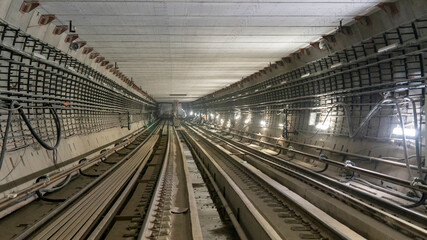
(369, 158)
(388, 178)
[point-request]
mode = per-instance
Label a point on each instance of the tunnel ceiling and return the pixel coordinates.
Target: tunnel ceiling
(186, 49)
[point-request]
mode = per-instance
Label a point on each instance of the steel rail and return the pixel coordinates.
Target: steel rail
(339, 190)
(239, 230)
(256, 217)
(320, 219)
(363, 171)
(89, 188)
(77, 220)
(22, 194)
(108, 217)
(196, 230)
(149, 217)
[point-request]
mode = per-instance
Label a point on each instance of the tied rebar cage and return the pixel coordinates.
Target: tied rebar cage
(359, 76)
(40, 78)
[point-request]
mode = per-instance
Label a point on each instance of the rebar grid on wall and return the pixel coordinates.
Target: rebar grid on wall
(39, 77)
(360, 76)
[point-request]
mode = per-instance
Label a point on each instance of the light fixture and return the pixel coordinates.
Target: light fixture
(247, 120)
(324, 124)
(263, 123)
(336, 65)
(312, 119)
(237, 117)
(388, 47)
(281, 125)
(191, 113)
(305, 75)
(409, 132)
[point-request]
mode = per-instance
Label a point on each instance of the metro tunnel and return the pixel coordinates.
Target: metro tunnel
(213, 119)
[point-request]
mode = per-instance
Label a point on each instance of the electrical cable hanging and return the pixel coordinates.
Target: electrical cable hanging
(6, 131)
(36, 136)
(14, 105)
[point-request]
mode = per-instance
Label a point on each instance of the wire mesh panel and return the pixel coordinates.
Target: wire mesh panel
(388, 65)
(38, 81)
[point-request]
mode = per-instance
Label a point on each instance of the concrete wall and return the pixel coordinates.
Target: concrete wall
(381, 21)
(28, 22)
(22, 167)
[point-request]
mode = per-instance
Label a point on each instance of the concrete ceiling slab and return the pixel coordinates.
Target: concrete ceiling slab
(195, 47)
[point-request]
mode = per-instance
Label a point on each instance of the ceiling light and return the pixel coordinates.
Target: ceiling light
(281, 125)
(191, 113)
(247, 120)
(388, 47)
(336, 65)
(312, 119)
(324, 124)
(263, 123)
(409, 132)
(305, 75)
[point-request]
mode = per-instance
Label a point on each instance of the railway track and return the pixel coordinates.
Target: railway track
(114, 151)
(260, 206)
(145, 195)
(77, 216)
(372, 219)
(173, 211)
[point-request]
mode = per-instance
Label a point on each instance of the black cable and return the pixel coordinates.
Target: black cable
(103, 159)
(36, 136)
(322, 157)
(33, 132)
(41, 197)
(323, 169)
(6, 131)
(86, 174)
(422, 199)
(63, 184)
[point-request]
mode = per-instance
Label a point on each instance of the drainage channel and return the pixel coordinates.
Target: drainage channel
(213, 219)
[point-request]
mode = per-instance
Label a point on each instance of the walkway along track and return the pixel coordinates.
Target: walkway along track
(359, 214)
(260, 207)
(77, 216)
